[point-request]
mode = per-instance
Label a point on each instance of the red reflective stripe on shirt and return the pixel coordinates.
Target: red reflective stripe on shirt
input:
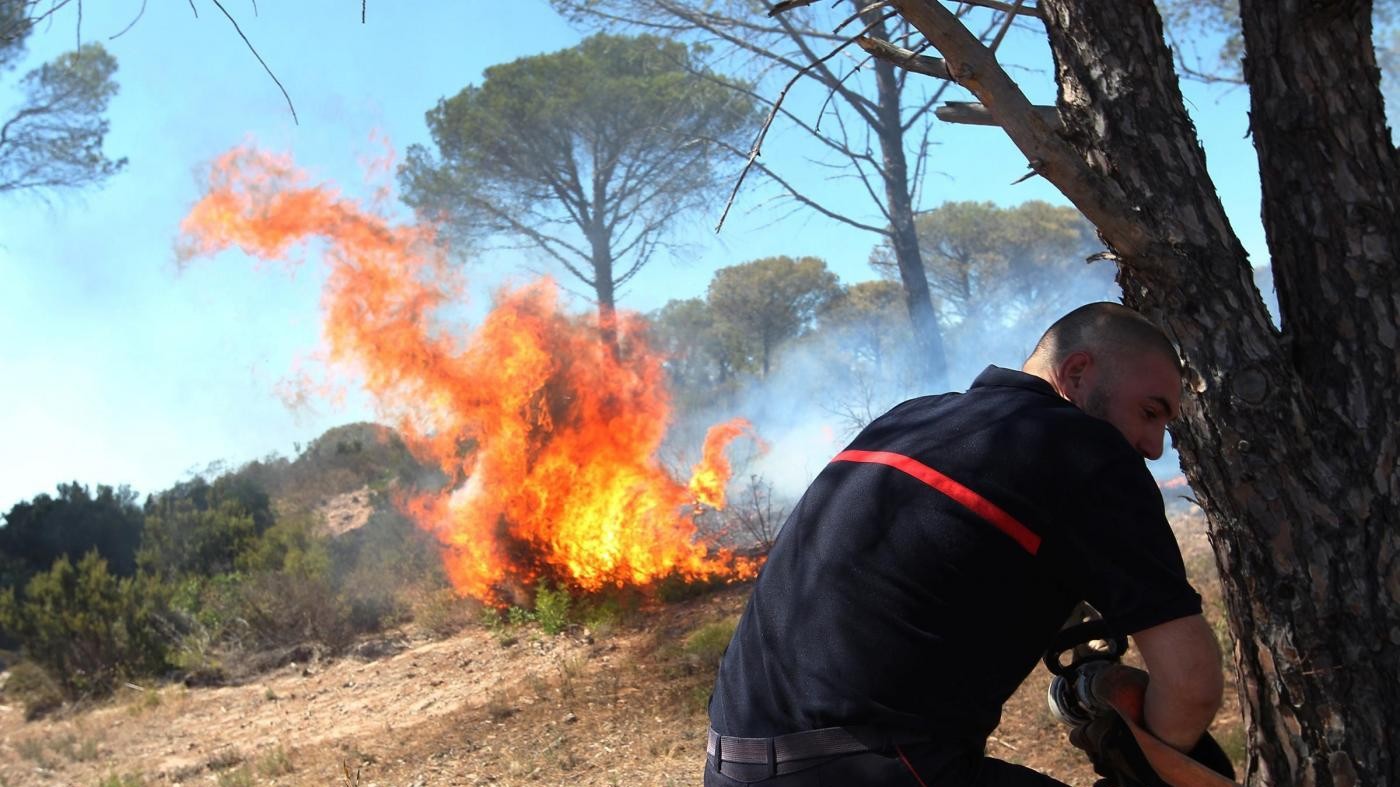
(974, 502)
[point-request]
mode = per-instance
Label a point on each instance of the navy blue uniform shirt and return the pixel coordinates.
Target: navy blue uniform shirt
(921, 576)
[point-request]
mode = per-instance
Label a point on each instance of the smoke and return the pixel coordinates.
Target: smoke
(828, 385)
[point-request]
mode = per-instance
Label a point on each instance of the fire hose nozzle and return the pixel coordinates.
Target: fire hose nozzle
(1071, 697)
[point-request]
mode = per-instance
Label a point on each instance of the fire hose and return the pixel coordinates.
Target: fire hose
(1101, 700)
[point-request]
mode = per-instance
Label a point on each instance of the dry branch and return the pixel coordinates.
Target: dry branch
(757, 148)
(975, 67)
(904, 58)
(1016, 9)
(788, 5)
(973, 114)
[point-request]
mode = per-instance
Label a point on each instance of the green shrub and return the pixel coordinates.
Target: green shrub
(706, 644)
(202, 528)
(88, 628)
(519, 616)
(552, 607)
(284, 608)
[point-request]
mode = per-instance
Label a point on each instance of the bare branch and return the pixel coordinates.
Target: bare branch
(239, 30)
(861, 13)
(768, 122)
(973, 114)
(787, 5)
(132, 23)
(904, 58)
(1006, 26)
(996, 5)
(975, 68)
(803, 198)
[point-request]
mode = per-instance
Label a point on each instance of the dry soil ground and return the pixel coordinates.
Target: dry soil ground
(623, 707)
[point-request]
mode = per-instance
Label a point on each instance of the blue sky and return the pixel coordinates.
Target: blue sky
(120, 368)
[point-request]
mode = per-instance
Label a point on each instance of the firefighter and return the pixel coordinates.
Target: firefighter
(930, 564)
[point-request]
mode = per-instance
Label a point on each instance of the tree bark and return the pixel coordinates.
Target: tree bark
(604, 287)
(904, 239)
(1290, 438)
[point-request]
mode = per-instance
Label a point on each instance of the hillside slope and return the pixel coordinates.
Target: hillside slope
(483, 707)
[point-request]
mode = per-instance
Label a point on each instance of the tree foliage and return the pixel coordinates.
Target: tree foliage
(76, 521)
(53, 140)
(759, 305)
(697, 356)
(865, 321)
(870, 119)
(990, 266)
(202, 528)
(589, 154)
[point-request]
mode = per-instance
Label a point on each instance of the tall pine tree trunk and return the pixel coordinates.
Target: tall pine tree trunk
(1291, 437)
(928, 336)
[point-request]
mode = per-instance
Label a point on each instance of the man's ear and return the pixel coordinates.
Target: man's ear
(1073, 368)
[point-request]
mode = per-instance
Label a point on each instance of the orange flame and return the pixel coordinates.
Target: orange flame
(710, 477)
(549, 438)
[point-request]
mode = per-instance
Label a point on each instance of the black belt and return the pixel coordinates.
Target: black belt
(785, 753)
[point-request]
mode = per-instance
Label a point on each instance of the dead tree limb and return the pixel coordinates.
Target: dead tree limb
(996, 5)
(768, 121)
(975, 67)
(973, 114)
(904, 58)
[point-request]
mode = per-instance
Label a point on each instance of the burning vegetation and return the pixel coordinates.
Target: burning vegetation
(548, 437)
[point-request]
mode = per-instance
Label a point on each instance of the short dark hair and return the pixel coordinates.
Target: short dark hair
(1103, 327)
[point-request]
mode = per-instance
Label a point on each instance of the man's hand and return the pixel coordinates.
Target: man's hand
(1187, 682)
(1111, 745)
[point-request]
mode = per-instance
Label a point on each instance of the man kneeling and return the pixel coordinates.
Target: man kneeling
(927, 568)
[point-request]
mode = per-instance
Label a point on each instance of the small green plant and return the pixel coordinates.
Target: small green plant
(519, 616)
(706, 644)
(552, 607)
(698, 699)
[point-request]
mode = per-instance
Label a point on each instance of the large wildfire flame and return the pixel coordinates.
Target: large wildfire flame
(549, 439)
